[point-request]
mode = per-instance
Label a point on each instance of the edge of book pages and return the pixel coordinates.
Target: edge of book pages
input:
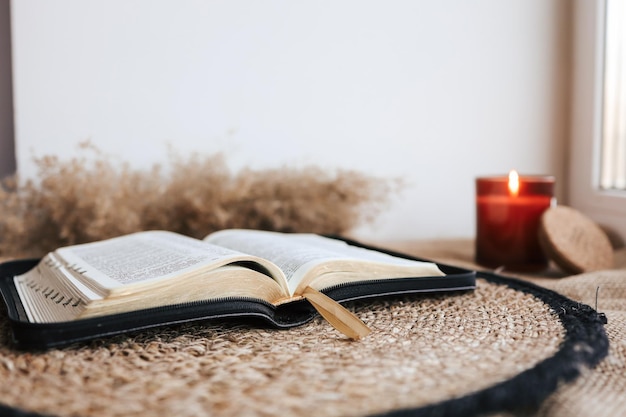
(27, 335)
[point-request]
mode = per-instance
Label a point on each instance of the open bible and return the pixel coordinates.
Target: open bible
(258, 271)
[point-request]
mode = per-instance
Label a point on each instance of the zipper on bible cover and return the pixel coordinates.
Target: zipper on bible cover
(27, 335)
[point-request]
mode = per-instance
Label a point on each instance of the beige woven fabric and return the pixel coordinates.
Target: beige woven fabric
(420, 351)
(601, 391)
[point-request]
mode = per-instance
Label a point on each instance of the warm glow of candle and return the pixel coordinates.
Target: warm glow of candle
(513, 183)
(508, 214)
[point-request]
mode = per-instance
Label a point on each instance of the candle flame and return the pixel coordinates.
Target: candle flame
(513, 182)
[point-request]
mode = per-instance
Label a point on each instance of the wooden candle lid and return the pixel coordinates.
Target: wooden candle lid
(573, 241)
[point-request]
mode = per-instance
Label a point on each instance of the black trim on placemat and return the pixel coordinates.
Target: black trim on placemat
(585, 345)
(6, 411)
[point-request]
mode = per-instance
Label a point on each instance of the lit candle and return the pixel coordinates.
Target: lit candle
(508, 212)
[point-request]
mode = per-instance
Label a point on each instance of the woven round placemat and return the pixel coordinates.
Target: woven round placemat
(503, 347)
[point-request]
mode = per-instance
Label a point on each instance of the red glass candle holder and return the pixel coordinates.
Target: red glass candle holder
(507, 221)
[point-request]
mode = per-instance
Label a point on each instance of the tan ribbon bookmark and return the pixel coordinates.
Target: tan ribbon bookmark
(336, 314)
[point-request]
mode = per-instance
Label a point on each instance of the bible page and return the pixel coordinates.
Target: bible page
(145, 257)
(296, 254)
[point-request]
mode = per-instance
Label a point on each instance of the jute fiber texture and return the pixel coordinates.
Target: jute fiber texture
(599, 392)
(423, 350)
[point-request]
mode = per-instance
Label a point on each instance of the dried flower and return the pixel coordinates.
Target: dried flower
(91, 197)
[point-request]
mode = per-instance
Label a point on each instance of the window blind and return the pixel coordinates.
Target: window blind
(613, 166)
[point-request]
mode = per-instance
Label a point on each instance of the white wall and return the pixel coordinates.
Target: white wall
(437, 92)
